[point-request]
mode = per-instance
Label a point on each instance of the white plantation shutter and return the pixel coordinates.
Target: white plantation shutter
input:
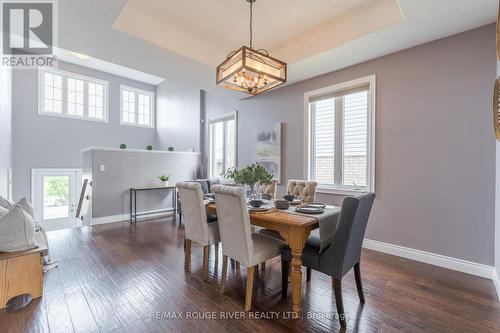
(323, 113)
(355, 138)
(339, 139)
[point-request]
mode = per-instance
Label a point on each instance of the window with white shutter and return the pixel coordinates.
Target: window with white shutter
(340, 136)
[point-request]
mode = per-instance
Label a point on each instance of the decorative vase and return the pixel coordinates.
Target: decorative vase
(254, 192)
(164, 183)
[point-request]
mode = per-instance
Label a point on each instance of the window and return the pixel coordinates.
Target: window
(65, 94)
(137, 107)
(340, 136)
(223, 140)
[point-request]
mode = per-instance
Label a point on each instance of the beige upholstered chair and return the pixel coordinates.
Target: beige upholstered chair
(195, 224)
(238, 241)
(303, 189)
(269, 189)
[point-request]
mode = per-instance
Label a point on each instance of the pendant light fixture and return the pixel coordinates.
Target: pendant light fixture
(251, 70)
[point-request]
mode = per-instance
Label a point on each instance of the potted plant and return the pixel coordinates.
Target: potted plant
(149, 147)
(171, 148)
(123, 146)
(251, 175)
(164, 180)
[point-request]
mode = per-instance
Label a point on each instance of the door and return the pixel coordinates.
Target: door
(54, 196)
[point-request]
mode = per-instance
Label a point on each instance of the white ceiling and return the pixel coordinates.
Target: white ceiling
(207, 30)
(138, 34)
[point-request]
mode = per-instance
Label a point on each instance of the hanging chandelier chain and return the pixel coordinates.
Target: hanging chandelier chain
(251, 22)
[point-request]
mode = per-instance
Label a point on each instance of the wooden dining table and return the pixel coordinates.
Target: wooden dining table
(295, 229)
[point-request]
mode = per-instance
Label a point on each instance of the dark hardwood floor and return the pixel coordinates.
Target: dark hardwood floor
(125, 278)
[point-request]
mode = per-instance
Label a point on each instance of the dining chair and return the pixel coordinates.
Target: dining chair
(205, 188)
(343, 254)
(238, 241)
(302, 189)
(197, 229)
(269, 188)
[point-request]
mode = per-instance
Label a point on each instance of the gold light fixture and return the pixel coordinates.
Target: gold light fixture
(251, 70)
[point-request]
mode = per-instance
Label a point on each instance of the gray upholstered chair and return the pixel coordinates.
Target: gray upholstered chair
(302, 189)
(238, 241)
(196, 227)
(343, 254)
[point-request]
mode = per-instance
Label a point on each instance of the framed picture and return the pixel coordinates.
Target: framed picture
(268, 149)
(498, 34)
(496, 108)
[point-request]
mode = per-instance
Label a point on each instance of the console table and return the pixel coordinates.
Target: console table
(133, 200)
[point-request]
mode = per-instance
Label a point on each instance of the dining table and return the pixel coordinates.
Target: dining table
(295, 229)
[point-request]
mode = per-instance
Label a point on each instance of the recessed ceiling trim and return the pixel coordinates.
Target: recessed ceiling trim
(84, 60)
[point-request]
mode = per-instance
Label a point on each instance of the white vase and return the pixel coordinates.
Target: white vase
(164, 183)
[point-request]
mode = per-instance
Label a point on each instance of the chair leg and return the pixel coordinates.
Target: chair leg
(284, 278)
(308, 274)
(263, 266)
(249, 292)
(337, 284)
(187, 255)
(359, 285)
(289, 270)
(206, 255)
(224, 274)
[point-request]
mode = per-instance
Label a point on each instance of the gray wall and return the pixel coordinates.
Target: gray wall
(126, 169)
(5, 128)
(435, 163)
(497, 205)
(41, 141)
(178, 116)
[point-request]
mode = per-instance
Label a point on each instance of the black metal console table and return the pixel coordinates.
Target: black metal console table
(133, 201)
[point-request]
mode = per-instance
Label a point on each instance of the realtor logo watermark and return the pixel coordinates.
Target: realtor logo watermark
(29, 33)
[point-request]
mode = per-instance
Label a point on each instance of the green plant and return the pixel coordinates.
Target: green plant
(123, 146)
(249, 175)
(57, 188)
(149, 147)
(171, 148)
(164, 178)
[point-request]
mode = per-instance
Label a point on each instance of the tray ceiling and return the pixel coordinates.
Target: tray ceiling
(207, 30)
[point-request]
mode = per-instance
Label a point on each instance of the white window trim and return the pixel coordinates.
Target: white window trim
(136, 110)
(227, 116)
(370, 177)
(71, 75)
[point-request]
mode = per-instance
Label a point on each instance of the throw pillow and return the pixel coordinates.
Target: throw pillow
(26, 205)
(17, 230)
(5, 203)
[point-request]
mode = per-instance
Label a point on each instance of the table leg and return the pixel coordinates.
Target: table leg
(135, 206)
(296, 280)
(174, 206)
(130, 206)
(296, 239)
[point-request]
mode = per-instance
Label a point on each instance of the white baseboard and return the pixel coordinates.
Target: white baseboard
(126, 217)
(433, 259)
(496, 282)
